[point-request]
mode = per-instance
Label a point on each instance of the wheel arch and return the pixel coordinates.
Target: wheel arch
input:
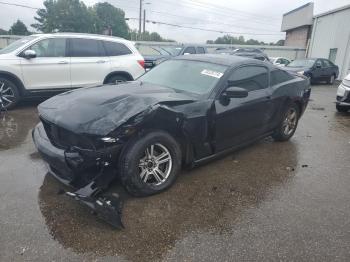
(15, 79)
(121, 73)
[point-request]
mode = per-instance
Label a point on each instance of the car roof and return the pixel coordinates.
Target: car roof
(83, 35)
(226, 60)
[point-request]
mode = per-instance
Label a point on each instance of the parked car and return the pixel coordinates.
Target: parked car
(279, 61)
(255, 55)
(185, 111)
(46, 64)
(165, 52)
(248, 50)
(317, 69)
(343, 95)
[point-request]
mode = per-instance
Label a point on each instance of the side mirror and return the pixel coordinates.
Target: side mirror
(235, 92)
(29, 54)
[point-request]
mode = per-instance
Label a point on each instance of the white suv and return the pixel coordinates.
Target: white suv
(46, 64)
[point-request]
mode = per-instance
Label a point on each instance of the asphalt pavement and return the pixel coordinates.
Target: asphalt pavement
(268, 202)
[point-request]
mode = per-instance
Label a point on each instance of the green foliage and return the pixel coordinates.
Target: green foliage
(147, 36)
(64, 16)
(110, 18)
(18, 28)
(3, 32)
(227, 39)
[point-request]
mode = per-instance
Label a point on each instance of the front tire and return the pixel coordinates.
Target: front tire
(150, 163)
(9, 95)
(331, 80)
(288, 125)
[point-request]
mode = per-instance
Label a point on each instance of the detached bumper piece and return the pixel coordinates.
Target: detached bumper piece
(107, 208)
(87, 170)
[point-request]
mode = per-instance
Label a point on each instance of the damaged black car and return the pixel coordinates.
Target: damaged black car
(186, 111)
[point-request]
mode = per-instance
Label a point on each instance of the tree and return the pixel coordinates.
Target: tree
(18, 28)
(64, 16)
(231, 40)
(280, 42)
(3, 32)
(111, 19)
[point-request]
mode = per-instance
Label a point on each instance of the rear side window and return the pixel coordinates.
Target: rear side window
(250, 77)
(326, 63)
(80, 47)
(116, 49)
(200, 50)
(190, 50)
(279, 76)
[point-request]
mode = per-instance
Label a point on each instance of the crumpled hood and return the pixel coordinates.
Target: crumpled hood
(100, 110)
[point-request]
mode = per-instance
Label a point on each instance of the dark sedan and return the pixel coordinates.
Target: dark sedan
(184, 112)
(317, 69)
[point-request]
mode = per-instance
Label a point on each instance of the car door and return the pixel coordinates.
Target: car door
(239, 120)
(50, 69)
(89, 62)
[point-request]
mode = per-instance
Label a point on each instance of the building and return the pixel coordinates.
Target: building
(325, 35)
(331, 38)
(298, 24)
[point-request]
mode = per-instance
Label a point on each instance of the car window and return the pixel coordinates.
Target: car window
(17, 44)
(285, 62)
(116, 49)
(250, 77)
(53, 47)
(200, 50)
(279, 76)
(326, 63)
(80, 47)
(190, 50)
(279, 61)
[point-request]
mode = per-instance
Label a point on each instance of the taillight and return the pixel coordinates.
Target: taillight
(142, 63)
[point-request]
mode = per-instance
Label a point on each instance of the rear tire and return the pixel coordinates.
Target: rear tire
(116, 79)
(9, 95)
(342, 109)
(142, 170)
(288, 124)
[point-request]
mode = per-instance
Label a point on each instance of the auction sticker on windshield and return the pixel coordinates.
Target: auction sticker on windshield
(212, 73)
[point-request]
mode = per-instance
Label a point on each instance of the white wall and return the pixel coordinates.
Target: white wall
(332, 31)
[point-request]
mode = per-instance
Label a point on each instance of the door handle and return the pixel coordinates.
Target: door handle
(101, 61)
(63, 62)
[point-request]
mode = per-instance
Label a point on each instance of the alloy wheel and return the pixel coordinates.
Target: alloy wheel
(155, 165)
(7, 95)
(290, 122)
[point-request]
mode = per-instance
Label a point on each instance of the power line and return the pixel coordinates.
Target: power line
(198, 19)
(19, 5)
(202, 29)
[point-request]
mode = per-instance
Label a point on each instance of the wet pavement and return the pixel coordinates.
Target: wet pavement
(268, 202)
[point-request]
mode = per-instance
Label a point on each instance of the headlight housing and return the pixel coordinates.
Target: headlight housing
(301, 72)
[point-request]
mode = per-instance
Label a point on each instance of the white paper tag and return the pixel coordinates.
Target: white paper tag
(212, 73)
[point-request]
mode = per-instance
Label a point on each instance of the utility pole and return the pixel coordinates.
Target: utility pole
(140, 17)
(144, 21)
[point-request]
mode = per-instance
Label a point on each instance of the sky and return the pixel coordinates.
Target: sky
(256, 19)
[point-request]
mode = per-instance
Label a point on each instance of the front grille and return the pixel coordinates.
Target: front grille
(65, 139)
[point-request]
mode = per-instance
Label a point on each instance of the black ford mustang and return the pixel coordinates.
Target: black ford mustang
(185, 111)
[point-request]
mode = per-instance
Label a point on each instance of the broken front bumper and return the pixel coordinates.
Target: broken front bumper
(90, 172)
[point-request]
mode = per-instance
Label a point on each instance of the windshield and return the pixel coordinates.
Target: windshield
(17, 44)
(184, 75)
(302, 63)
